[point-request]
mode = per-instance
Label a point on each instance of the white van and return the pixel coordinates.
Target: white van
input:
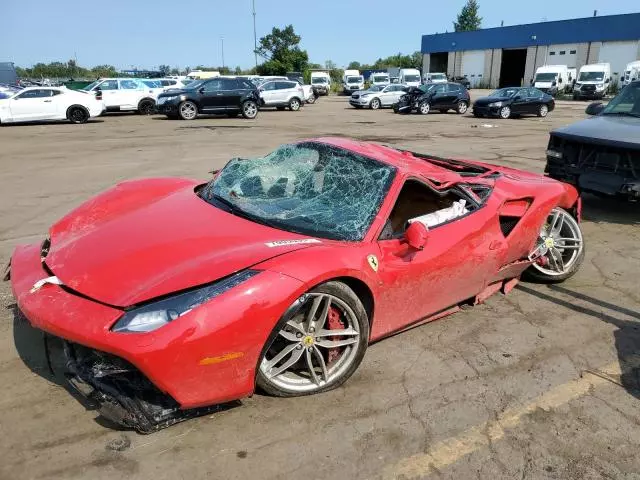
(435, 78)
(552, 79)
(631, 73)
(379, 78)
(201, 75)
(352, 81)
(410, 77)
(593, 81)
(321, 83)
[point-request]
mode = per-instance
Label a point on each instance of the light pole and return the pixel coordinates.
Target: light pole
(222, 44)
(255, 36)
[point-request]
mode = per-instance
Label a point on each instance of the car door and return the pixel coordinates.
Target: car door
(458, 260)
(520, 102)
(230, 93)
(36, 104)
(268, 93)
(439, 96)
(389, 95)
(110, 93)
(131, 92)
(211, 96)
(284, 91)
(450, 95)
(535, 98)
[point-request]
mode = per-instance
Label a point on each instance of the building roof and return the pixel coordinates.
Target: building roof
(578, 30)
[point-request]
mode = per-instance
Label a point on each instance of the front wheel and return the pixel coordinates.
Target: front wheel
(375, 104)
(77, 115)
(312, 99)
(505, 112)
(462, 108)
(317, 344)
(188, 110)
(559, 249)
(543, 111)
(249, 109)
(424, 108)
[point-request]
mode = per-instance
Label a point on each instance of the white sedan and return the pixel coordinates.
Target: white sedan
(378, 96)
(48, 103)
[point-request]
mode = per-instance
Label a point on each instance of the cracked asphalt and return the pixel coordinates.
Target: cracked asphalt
(542, 383)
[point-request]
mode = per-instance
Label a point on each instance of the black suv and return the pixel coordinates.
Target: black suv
(232, 96)
(434, 96)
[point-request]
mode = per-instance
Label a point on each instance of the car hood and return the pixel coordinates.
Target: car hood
(488, 100)
(617, 131)
(129, 245)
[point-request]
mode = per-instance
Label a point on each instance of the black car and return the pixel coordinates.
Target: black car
(232, 96)
(514, 101)
(434, 96)
(601, 154)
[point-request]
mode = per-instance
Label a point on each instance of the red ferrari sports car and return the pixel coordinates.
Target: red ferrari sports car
(171, 295)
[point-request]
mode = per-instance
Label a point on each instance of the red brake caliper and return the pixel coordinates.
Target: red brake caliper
(335, 323)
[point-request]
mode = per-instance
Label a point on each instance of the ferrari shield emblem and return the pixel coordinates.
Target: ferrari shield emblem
(373, 262)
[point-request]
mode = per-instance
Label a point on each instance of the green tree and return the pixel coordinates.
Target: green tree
(237, 71)
(468, 18)
(175, 71)
(282, 53)
(354, 66)
(104, 71)
(165, 69)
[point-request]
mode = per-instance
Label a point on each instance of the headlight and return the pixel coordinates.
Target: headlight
(577, 86)
(600, 86)
(167, 99)
(495, 104)
(154, 315)
(365, 95)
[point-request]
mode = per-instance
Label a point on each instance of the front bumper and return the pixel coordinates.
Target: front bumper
(589, 94)
(360, 102)
(167, 108)
(207, 357)
(486, 111)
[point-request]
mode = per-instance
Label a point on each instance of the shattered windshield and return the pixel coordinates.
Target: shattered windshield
(309, 188)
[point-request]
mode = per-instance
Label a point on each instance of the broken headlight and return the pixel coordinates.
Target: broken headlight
(154, 315)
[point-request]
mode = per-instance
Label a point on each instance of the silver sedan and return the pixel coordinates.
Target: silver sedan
(378, 96)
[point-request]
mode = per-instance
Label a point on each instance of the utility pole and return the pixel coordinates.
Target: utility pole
(255, 36)
(222, 43)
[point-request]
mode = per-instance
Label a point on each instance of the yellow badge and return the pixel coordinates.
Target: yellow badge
(373, 262)
(549, 242)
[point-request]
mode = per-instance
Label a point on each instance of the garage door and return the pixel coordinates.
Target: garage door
(618, 54)
(473, 66)
(562, 55)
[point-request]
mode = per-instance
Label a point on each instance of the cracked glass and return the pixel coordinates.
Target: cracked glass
(309, 188)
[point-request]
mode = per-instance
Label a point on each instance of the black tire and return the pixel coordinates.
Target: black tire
(375, 104)
(146, 106)
(295, 104)
(532, 274)
(345, 294)
(187, 110)
(462, 107)
(77, 114)
(249, 109)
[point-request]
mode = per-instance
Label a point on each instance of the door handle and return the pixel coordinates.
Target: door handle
(219, 94)
(47, 101)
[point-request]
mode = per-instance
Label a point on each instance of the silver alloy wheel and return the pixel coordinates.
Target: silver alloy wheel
(424, 108)
(297, 360)
(505, 112)
(312, 99)
(462, 108)
(188, 110)
(250, 109)
(560, 242)
(294, 105)
(375, 104)
(544, 110)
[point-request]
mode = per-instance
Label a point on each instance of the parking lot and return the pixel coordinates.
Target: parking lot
(543, 383)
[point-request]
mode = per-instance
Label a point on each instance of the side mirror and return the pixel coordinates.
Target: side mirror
(559, 80)
(594, 108)
(201, 90)
(416, 235)
(607, 80)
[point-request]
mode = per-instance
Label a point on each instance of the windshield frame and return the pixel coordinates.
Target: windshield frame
(592, 72)
(546, 77)
(206, 192)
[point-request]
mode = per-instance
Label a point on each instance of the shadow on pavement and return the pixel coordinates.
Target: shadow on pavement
(610, 210)
(627, 336)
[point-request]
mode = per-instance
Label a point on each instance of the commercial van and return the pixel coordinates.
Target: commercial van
(379, 78)
(201, 75)
(8, 73)
(435, 77)
(410, 77)
(552, 79)
(321, 83)
(631, 73)
(352, 81)
(593, 81)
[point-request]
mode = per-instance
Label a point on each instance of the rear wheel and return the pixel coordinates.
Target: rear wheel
(146, 107)
(375, 104)
(77, 115)
(312, 99)
(424, 107)
(505, 112)
(188, 110)
(462, 107)
(249, 109)
(317, 345)
(559, 250)
(294, 104)
(543, 111)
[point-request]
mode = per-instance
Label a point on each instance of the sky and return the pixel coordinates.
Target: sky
(145, 34)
